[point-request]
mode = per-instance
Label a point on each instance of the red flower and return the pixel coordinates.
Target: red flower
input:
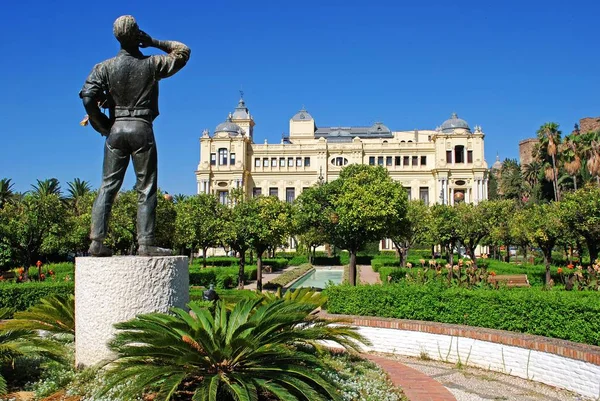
(492, 273)
(570, 266)
(559, 270)
(39, 263)
(51, 272)
(42, 277)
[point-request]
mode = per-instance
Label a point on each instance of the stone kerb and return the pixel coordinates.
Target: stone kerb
(559, 363)
(116, 289)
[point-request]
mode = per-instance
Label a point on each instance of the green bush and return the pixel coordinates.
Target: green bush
(217, 261)
(20, 296)
(569, 315)
(298, 260)
(287, 277)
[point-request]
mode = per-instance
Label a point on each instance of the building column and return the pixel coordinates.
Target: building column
(485, 189)
(467, 197)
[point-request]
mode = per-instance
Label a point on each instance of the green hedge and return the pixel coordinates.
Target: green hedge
(569, 315)
(20, 296)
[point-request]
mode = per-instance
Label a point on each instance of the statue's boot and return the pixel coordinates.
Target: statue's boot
(149, 250)
(98, 249)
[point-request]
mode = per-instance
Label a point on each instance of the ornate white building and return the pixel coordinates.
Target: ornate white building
(444, 165)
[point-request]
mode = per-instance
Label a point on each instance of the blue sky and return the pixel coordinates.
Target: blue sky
(507, 66)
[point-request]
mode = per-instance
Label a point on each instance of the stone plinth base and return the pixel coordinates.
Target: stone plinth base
(116, 289)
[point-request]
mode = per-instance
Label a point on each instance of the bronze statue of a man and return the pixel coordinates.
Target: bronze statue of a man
(128, 86)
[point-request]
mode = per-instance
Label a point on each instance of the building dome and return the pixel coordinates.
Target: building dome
(454, 123)
(228, 127)
(302, 115)
(498, 164)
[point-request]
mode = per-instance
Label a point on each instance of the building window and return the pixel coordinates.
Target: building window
(298, 162)
(273, 162)
(339, 161)
(371, 160)
(307, 162)
(265, 162)
(257, 162)
(223, 195)
(282, 162)
(405, 161)
(424, 194)
(415, 160)
(423, 160)
(290, 162)
(398, 161)
(273, 191)
(380, 161)
(232, 159)
(304, 188)
(469, 156)
(388, 160)
(459, 154)
(213, 159)
(408, 190)
(448, 156)
(384, 244)
(256, 191)
(290, 195)
(222, 157)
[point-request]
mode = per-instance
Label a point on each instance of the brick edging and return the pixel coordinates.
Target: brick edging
(564, 348)
(416, 386)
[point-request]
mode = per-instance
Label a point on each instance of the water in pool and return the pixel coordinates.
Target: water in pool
(319, 278)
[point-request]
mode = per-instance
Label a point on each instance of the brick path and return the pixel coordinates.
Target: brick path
(368, 276)
(416, 385)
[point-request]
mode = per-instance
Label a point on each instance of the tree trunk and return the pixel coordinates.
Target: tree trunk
(432, 251)
(592, 249)
(547, 261)
(352, 268)
(450, 251)
(314, 254)
(259, 265)
(241, 271)
(471, 253)
(507, 253)
(575, 182)
(556, 193)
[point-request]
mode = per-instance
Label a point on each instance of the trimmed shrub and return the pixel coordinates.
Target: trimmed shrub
(221, 277)
(568, 315)
(298, 260)
(20, 296)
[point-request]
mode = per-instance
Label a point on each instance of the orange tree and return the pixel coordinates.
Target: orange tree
(366, 205)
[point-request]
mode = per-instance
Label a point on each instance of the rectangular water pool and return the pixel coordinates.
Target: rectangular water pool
(318, 278)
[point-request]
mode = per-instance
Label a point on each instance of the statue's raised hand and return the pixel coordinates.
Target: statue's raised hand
(144, 39)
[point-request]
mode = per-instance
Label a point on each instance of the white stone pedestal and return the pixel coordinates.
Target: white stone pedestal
(116, 289)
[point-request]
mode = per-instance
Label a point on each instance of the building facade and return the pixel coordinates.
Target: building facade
(443, 165)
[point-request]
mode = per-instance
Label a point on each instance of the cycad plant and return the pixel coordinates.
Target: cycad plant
(262, 350)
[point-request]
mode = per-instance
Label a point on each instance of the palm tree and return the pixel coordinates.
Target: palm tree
(262, 347)
(179, 198)
(46, 187)
(6, 191)
(78, 189)
(549, 136)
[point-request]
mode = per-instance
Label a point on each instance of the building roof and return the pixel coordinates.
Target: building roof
(453, 123)
(302, 115)
(345, 134)
(241, 111)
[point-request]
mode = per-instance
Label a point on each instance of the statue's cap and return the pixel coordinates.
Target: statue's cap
(125, 29)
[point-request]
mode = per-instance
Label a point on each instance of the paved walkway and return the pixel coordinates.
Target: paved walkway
(415, 385)
(266, 277)
(368, 276)
(474, 384)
